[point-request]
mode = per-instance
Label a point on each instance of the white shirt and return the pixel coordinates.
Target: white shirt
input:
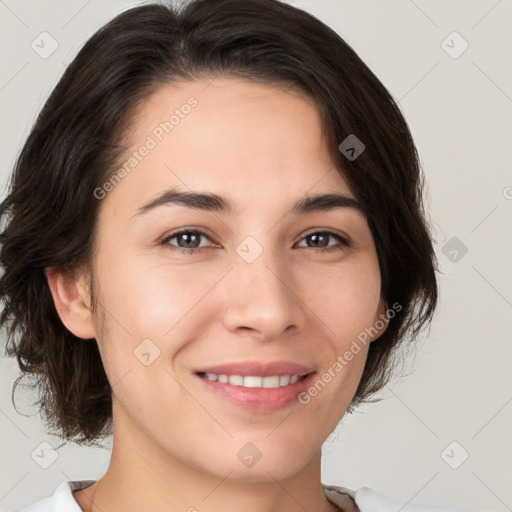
(366, 499)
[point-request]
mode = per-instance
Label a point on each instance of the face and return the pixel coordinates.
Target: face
(258, 290)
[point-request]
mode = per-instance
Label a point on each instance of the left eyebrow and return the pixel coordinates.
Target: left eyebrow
(325, 202)
(215, 203)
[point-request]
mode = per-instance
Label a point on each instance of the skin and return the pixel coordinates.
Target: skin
(175, 443)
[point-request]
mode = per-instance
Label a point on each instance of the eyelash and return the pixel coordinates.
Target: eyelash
(343, 242)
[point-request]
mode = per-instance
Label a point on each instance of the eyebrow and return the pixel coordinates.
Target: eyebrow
(214, 203)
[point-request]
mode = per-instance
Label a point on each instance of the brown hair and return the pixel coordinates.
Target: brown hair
(50, 212)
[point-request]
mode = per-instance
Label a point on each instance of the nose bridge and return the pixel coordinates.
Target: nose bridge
(259, 294)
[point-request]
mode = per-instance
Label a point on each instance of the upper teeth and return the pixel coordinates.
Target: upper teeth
(251, 381)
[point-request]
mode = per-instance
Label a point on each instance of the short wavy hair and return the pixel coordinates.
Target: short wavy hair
(49, 214)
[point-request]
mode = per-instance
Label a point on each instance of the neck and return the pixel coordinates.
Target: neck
(139, 478)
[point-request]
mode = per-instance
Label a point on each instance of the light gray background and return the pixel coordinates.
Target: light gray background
(459, 109)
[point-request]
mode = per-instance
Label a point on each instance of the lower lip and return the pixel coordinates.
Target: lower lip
(259, 399)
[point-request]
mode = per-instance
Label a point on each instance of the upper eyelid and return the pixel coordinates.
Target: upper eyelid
(324, 230)
(187, 230)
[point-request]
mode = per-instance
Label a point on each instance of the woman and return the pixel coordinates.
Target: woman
(214, 243)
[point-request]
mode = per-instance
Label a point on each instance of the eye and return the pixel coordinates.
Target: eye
(320, 241)
(189, 240)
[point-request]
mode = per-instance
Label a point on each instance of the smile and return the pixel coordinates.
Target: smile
(252, 381)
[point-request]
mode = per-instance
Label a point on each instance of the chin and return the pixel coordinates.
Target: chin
(252, 465)
(268, 473)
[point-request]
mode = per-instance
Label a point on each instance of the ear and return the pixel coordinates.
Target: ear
(72, 301)
(381, 320)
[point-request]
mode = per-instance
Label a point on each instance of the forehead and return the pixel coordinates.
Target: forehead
(230, 136)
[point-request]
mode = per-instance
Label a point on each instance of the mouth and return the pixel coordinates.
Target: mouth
(253, 381)
(256, 386)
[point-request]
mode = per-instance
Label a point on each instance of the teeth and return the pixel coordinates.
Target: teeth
(271, 382)
(252, 381)
(236, 380)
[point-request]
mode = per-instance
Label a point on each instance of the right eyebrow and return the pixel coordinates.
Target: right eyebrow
(195, 200)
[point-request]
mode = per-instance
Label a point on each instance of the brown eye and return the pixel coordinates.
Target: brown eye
(319, 240)
(188, 240)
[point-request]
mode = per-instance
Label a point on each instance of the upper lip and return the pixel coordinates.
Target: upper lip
(257, 368)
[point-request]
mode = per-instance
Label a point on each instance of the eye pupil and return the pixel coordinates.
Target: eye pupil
(316, 237)
(187, 237)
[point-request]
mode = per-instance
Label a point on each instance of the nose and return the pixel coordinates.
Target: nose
(261, 299)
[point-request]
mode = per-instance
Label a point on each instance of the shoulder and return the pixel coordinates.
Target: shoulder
(369, 500)
(60, 501)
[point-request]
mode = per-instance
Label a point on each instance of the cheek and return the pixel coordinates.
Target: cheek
(152, 299)
(152, 312)
(346, 300)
